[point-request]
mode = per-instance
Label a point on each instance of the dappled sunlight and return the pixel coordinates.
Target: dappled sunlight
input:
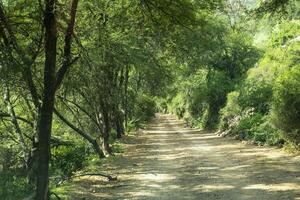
(194, 148)
(154, 177)
(171, 163)
(274, 187)
(207, 168)
(162, 150)
(235, 167)
(167, 132)
(212, 188)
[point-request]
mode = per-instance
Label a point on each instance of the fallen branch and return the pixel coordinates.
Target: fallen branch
(64, 179)
(109, 177)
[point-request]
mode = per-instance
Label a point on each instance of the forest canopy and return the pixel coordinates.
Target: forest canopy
(76, 76)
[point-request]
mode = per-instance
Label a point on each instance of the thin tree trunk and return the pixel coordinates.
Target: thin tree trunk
(126, 97)
(15, 122)
(119, 124)
(94, 142)
(118, 129)
(106, 131)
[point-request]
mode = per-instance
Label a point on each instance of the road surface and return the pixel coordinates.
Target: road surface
(168, 161)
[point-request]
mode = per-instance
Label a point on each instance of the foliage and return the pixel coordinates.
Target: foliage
(68, 159)
(256, 91)
(144, 109)
(14, 185)
(269, 133)
(279, 8)
(122, 61)
(287, 103)
(230, 111)
(269, 90)
(218, 86)
(246, 128)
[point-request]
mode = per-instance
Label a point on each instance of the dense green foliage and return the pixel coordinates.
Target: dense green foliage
(273, 106)
(223, 65)
(251, 89)
(286, 104)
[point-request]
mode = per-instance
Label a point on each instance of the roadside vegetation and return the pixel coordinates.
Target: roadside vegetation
(77, 76)
(250, 88)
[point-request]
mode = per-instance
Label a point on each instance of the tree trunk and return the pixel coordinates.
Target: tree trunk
(97, 149)
(106, 131)
(45, 123)
(119, 124)
(52, 81)
(119, 129)
(15, 122)
(44, 134)
(32, 163)
(126, 97)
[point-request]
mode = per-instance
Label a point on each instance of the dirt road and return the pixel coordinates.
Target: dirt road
(168, 161)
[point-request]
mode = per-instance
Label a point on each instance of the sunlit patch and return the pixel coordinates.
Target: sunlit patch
(195, 148)
(214, 187)
(274, 187)
(154, 177)
(161, 150)
(141, 194)
(227, 146)
(235, 167)
(207, 168)
(171, 131)
(153, 185)
(181, 155)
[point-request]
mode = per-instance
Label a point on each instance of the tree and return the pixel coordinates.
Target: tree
(52, 81)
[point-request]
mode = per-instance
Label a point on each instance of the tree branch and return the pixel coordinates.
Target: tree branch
(6, 115)
(72, 126)
(67, 49)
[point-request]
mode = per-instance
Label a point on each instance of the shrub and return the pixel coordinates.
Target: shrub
(247, 125)
(219, 85)
(286, 104)
(14, 185)
(256, 91)
(230, 111)
(263, 98)
(267, 133)
(190, 102)
(68, 159)
(145, 108)
(178, 105)
(162, 105)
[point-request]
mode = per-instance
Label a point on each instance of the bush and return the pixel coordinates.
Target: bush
(230, 111)
(263, 98)
(68, 159)
(247, 125)
(14, 185)
(256, 91)
(178, 105)
(286, 104)
(219, 84)
(162, 105)
(144, 109)
(267, 133)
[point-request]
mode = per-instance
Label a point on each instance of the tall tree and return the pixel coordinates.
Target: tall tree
(52, 80)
